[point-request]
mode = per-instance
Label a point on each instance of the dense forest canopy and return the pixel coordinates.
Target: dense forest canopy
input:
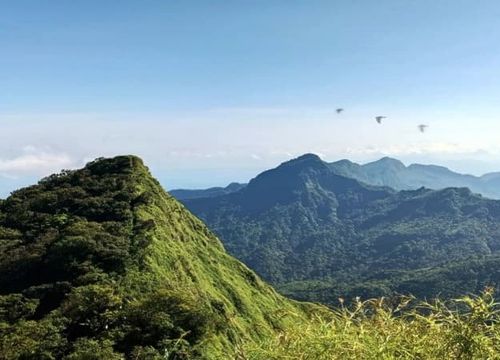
(318, 235)
(101, 263)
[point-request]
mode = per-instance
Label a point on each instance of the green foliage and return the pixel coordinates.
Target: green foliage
(101, 263)
(89, 349)
(467, 328)
(91, 309)
(166, 320)
(15, 307)
(34, 340)
(317, 235)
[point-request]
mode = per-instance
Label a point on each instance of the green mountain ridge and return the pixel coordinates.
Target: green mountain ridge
(303, 222)
(383, 172)
(101, 263)
(393, 173)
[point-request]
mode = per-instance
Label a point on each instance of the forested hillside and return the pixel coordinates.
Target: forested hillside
(318, 235)
(101, 263)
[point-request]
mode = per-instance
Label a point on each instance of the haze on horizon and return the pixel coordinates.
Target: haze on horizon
(213, 92)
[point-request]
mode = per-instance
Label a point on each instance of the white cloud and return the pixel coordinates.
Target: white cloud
(228, 144)
(417, 148)
(34, 162)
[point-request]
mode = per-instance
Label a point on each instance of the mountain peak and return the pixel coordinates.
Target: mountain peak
(308, 156)
(343, 162)
(387, 161)
(293, 167)
(106, 245)
(305, 160)
(234, 186)
(115, 165)
(390, 160)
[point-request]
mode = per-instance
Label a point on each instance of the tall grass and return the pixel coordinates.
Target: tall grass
(466, 328)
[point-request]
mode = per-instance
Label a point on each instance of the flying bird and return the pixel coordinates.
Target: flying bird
(422, 127)
(339, 110)
(379, 119)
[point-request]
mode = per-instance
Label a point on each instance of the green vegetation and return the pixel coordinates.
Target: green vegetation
(446, 281)
(101, 263)
(463, 329)
(316, 235)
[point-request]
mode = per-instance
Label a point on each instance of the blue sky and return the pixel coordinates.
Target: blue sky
(214, 91)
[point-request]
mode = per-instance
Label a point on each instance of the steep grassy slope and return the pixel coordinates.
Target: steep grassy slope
(101, 263)
(302, 223)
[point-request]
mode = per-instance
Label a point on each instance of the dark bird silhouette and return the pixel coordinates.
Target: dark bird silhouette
(422, 127)
(339, 110)
(379, 119)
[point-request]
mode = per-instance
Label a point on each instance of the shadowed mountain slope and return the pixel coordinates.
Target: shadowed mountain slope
(303, 222)
(384, 172)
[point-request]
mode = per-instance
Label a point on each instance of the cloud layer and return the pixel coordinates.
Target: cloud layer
(35, 164)
(212, 147)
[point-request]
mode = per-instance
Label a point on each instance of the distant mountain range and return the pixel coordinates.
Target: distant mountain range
(184, 194)
(393, 173)
(317, 234)
(384, 172)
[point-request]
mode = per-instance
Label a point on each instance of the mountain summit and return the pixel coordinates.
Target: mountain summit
(386, 171)
(102, 262)
(303, 226)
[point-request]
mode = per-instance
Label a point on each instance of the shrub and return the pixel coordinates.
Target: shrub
(467, 328)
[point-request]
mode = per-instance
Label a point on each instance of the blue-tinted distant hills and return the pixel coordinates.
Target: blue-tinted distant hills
(393, 173)
(184, 194)
(383, 172)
